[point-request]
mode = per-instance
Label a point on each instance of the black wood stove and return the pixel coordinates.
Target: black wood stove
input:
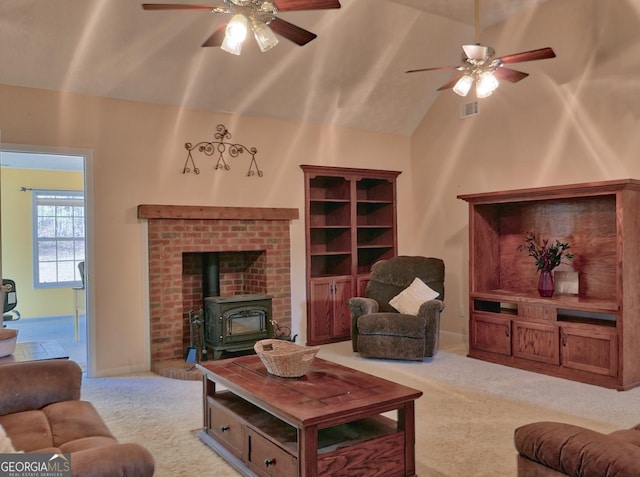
(233, 324)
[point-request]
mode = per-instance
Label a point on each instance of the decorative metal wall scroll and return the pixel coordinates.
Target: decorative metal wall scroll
(219, 147)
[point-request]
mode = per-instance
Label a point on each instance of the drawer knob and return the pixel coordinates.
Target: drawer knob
(224, 428)
(269, 462)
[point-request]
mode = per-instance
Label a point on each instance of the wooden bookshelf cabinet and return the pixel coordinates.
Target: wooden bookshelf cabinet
(350, 217)
(591, 336)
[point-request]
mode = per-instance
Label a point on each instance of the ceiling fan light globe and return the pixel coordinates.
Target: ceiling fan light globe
(486, 84)
(230, 46)
(463, 85)
(480, 93)
(235, 34)
(264, 36)
(236, 29)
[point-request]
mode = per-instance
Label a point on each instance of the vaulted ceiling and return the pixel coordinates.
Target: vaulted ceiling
(352, 75)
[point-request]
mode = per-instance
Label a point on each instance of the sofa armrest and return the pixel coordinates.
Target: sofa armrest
(360, 306)
(33, 385)
(576, 451)
(125, 460)
(431, 307)
(430, 312)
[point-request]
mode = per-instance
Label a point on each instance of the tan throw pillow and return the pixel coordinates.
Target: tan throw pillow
(408, 301)
(6, 447)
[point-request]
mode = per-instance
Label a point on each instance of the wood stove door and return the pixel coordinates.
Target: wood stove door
(243, 324)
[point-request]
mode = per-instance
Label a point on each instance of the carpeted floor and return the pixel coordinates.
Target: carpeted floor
(464, 420)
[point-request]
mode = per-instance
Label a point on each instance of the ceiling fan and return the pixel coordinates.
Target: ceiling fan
(480, 66)
(260, 16)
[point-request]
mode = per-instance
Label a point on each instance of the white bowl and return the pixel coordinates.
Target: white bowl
(8, 340)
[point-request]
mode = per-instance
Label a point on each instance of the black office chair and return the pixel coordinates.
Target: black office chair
(9, 313)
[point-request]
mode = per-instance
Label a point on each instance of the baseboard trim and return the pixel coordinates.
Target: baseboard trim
(106, 373)
(450, 338)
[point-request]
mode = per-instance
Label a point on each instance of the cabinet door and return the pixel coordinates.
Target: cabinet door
(536, 341)
(330, 314)
(342, 292)
(491, 332)
(321, 310)
(590, 348)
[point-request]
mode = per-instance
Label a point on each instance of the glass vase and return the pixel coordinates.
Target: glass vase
(546, 287)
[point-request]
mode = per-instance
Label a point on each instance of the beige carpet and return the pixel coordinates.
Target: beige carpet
(464, 420)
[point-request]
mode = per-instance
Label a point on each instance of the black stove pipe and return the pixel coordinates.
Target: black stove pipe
(210, 274)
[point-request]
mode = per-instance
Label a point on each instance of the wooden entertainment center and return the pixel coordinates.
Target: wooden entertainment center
(326, 423)
(590, 336)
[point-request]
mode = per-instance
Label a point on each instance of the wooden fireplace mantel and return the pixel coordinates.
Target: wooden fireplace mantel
(193, 212)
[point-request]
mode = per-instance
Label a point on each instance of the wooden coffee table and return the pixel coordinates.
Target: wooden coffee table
(326, 423)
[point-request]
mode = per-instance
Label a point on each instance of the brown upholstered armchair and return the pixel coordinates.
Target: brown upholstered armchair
(378, 330)
(41, 412)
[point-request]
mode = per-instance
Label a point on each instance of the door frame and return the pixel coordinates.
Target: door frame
(87, 155)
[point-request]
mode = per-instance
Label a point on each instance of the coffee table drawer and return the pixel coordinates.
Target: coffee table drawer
(267, 459)
(226, 427)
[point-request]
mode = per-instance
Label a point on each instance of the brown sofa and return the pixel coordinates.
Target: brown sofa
(41, 411)
(553, 449)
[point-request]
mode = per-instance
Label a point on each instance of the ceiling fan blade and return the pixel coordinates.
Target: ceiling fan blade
(291, 32)
(540, 54)
(217, 37)
(452, 82)
(174, 6)
(433, 69)
(510, 75)
(290, 5)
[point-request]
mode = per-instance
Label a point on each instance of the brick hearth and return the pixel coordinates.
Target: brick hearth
(254, 249)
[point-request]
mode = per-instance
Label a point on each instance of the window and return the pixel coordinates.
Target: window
(59, 237)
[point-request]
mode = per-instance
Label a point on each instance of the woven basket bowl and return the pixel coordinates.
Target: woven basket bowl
(285, 359)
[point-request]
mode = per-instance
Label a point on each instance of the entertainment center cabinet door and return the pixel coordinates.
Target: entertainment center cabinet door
(590, 348)
(491, 332)
(536, 341)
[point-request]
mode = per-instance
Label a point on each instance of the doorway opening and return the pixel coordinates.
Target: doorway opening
(44, 245)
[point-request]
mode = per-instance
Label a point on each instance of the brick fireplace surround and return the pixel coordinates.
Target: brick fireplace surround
(254, 249)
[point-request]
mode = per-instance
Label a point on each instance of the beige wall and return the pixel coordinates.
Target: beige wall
(137, 158)
(17, 243)
(575, 119)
